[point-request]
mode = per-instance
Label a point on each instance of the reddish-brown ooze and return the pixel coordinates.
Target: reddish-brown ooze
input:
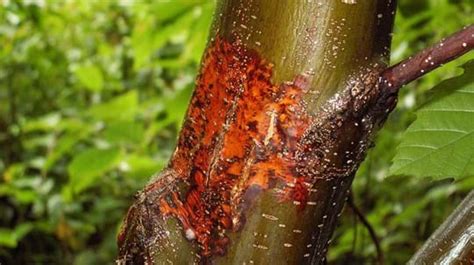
(241, 131)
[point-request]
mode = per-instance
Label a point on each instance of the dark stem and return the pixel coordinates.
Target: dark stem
(429, 59)
(368, 226)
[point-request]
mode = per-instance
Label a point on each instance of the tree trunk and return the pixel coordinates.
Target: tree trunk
(284, 109)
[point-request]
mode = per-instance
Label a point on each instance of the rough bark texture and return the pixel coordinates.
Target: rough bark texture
(285, 106)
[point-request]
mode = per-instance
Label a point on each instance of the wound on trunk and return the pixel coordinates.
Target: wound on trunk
(242, 136)
(241, 131)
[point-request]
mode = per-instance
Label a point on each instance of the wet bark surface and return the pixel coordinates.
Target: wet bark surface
(265, 158)
(453, 241)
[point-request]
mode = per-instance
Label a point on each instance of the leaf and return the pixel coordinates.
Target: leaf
(64, 145)
(123, 107)
(124, 132)
(23, 196)
(10, 237)
(176, 104)
(440, 142)
(139, 166)
(47, 122)
(197, 42)
(15, 171)
(89, 165)
(147, 38)
(167, 10)
(90, 76)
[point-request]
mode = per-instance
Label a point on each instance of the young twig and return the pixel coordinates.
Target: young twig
(431, 58)
(368, 226)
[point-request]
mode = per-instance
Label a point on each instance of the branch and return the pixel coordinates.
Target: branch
(429, 59)
(368, 226)
(452, 242)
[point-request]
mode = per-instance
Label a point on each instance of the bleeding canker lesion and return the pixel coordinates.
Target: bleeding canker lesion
(244, 135)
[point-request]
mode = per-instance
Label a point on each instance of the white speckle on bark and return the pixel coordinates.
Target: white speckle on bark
(190, 235)
(350, 2)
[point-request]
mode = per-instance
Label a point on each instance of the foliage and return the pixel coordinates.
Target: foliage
(439, 142)
(93, 94)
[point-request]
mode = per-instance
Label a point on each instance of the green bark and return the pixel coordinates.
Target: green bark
(328, 40)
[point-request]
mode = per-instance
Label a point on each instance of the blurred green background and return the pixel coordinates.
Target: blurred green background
(92, 94)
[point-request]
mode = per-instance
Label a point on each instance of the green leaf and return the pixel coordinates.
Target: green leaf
(14, 171)
(23, 196)
(166, 10)
(64, 145)
(91, 77)
(123, 107)
(142, 166)
(130, 132)
(89, 165)
(148, 37)
(440, 142)
(176, 104)
(197, 42)
(45, 123)
(10, 237)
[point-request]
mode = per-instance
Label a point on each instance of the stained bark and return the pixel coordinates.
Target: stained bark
(287, 101)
